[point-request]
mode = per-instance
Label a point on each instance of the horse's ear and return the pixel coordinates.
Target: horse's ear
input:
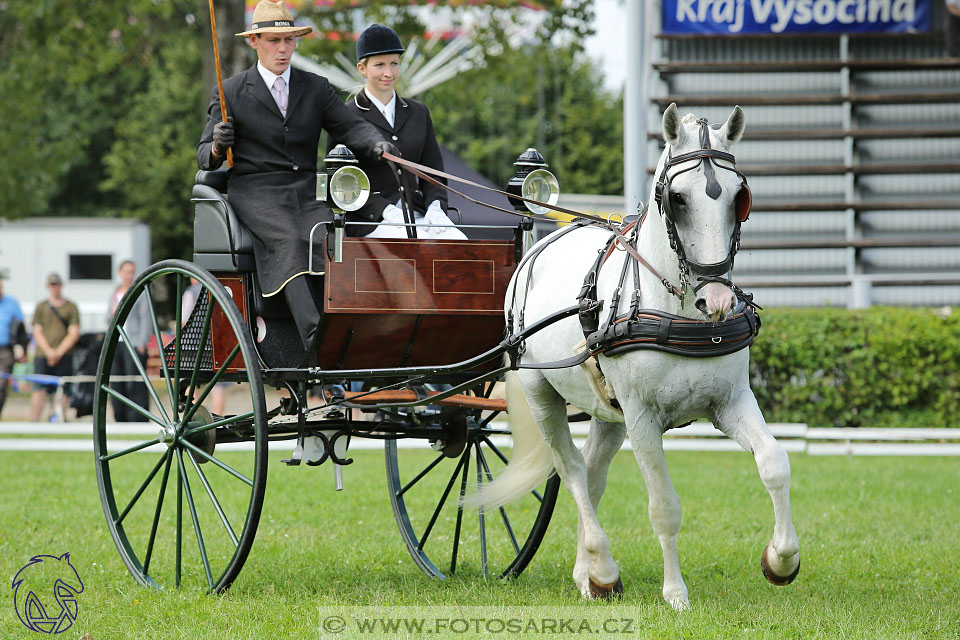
(66, 556)
(732, 129)
(673, 132)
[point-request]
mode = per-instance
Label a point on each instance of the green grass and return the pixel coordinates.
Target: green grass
(878, 541)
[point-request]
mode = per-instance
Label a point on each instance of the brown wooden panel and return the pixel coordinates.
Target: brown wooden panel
(464, 276)
(222, 337)
(385, 275)
(444, 277)
(378, 341)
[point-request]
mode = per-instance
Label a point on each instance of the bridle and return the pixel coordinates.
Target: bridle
(707, 158)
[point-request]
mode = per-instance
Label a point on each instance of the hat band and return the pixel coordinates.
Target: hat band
(272, 23)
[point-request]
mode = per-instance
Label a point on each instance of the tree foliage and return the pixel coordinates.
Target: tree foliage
(100, 105)
(103, 102)
(534, 96)
(538, 92)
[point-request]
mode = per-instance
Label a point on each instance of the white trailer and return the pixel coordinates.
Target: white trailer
(84, 251)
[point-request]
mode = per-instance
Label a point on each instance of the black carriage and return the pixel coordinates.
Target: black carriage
(412, 344)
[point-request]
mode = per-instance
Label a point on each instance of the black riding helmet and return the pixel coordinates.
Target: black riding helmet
(378, 40)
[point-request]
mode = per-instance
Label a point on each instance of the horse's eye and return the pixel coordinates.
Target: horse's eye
(677, 198)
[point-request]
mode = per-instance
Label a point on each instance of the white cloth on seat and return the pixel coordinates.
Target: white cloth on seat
(443, 228)
(392, 224)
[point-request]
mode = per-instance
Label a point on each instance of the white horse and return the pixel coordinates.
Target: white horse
(655, 390)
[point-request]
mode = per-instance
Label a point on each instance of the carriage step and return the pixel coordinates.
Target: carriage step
(406, 395)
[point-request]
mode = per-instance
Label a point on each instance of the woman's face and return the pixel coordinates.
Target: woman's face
(127, 271)
(381, 72)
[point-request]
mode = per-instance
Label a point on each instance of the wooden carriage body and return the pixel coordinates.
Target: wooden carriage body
(389, 303)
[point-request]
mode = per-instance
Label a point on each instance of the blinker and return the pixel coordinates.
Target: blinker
(743, 202)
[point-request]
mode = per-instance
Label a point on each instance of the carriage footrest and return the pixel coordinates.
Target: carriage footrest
(406, 395)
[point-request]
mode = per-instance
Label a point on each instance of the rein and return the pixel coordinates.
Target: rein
(422, 171)
(640, 328)
(426, 173)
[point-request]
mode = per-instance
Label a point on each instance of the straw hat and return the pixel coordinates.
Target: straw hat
(274, 17)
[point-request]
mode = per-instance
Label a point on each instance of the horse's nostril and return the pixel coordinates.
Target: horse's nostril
(701, 305)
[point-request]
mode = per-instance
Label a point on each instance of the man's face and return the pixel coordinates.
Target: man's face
(55, 290)
(274, 50)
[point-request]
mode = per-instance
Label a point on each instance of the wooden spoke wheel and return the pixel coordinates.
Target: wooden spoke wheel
(426, 487)
(181, 486)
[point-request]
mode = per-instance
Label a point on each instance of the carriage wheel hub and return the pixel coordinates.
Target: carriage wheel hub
(168, 435)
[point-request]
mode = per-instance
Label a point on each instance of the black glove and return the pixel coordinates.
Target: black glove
(223, 137)
(385, 147)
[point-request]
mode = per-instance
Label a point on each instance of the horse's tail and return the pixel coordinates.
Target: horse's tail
(532, 460)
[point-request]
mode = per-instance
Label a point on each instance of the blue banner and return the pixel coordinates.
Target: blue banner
(735, 17)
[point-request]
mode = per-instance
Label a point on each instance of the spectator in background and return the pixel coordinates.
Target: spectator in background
(56, 328)
(952, 29)
(138, 329)
(10, 316)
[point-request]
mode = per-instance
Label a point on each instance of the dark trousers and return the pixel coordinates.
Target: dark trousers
(6, 366)
(136, 391)
(304, 297)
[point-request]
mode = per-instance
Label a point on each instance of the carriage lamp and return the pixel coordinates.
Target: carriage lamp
(345, 187)
(532, 181)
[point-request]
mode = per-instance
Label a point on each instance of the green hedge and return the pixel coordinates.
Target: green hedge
(884, 366)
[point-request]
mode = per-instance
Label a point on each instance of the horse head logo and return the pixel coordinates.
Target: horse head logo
(47, 576)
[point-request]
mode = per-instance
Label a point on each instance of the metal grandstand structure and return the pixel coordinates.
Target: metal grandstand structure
(852, 150)
(853, 154)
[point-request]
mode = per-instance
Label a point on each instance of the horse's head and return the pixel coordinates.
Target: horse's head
(703, 199)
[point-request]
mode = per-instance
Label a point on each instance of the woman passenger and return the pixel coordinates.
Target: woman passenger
(405, 122)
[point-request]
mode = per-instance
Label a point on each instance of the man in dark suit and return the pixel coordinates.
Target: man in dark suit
(275, 117)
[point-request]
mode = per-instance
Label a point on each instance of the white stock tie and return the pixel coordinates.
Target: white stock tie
(280, 95)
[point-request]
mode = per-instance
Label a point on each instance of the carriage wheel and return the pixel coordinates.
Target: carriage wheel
(438, 532)
(163, 476)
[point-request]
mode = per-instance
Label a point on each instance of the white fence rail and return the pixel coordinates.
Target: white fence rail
(700, 436)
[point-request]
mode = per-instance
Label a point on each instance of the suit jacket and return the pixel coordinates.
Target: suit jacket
(413, 134)
(272, 184)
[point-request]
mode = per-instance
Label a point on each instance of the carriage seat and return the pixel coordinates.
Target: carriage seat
(220, 242)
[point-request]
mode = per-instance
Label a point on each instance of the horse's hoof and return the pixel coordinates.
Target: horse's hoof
(606, 591)
(772, 577)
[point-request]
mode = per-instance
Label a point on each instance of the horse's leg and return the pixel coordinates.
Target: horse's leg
(646, 438)
(602, 444)
(744, 423)
(549, 410)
